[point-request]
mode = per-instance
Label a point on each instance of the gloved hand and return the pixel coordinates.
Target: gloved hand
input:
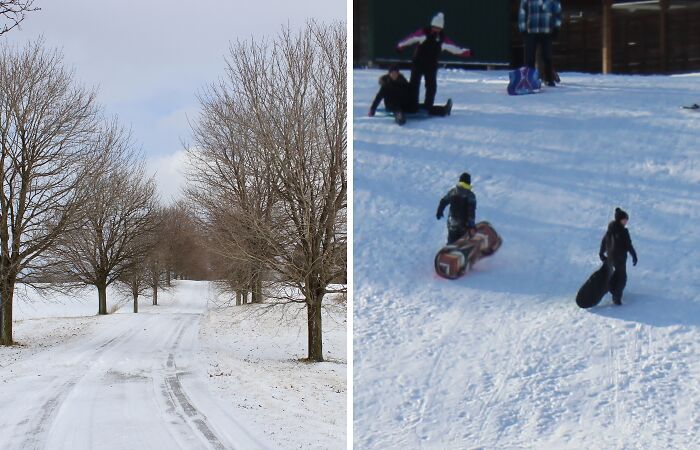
(466, 53)
(471, 231)
(438, 215)
(371, 113)
(398, 49)
(602, 257)
(555, 33)
(634, 260)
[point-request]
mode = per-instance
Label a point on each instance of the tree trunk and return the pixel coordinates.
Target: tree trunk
(313, 308)
(7, 292)
(102, 298)
(155, 280)
(256, 288)
(135, 294)
(239, 298)
(167, 277)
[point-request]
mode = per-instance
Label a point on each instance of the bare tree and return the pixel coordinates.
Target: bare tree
(136, 280)
(46, 121)
(184, 255)
(268, 165)
(13, 12)
(143, 274)
(119, 219)
(155, 261)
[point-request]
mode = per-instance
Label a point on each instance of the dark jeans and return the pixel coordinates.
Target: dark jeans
(430, 74)
(618, 281)
(544, 41)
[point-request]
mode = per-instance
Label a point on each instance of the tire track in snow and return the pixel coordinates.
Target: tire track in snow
(179, 403)
(188, 414)
(40, 429)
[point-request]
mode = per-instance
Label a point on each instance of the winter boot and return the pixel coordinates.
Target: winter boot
(399, 117)
(617, 301)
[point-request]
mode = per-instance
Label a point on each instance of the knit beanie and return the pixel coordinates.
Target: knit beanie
(438, 21)
(465, 178)
(620, 215)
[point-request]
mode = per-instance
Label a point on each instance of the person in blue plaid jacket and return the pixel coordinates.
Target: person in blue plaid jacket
(539, 21)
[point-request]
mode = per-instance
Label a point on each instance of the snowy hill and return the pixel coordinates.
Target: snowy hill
(503, 358)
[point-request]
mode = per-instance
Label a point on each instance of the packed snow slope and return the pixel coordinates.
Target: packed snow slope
(503, 358)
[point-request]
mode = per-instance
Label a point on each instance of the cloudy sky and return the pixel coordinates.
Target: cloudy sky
(149, 58)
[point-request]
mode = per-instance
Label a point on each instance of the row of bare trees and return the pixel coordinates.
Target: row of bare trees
(268, 170)
(76, 204)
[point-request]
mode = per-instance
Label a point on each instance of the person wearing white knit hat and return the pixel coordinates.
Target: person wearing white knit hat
(438, 21)
(431, 41)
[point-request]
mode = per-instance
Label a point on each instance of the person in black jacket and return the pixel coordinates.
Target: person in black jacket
(396, 93)
(613, 250)
(431, 42)
(394, 89)
(462, 203)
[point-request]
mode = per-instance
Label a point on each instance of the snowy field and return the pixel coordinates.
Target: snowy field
(253, 362)
(503, 358)
(184, 374)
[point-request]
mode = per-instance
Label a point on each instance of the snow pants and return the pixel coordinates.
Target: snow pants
(430, 73)
(618, 281)
(396, 105)
(455, 232)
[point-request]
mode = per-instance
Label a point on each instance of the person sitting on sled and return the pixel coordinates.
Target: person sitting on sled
(462, 203)
(394, 89)
(613, 251)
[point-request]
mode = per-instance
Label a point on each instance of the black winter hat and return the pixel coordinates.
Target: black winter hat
(620, 214)
(465, 178)
(394, 68)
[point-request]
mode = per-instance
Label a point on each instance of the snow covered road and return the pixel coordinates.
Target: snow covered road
(135, 383)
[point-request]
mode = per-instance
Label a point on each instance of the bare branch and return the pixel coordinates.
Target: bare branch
(13, 12)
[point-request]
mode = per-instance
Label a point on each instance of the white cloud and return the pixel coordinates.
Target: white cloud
(149, 58)
(169, 174)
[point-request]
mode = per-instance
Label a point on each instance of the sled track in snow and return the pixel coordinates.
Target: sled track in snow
(431, 380)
